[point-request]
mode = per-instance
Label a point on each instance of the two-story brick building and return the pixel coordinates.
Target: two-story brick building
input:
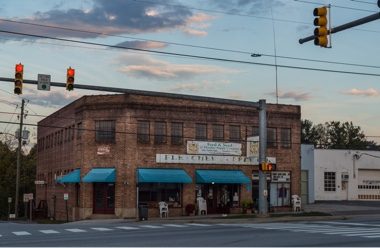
(106, 154)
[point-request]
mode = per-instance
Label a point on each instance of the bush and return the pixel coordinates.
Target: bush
(247, 204)
(190, 208)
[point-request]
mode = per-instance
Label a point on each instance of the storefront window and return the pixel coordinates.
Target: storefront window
(329, 182)
(279, 194)
(156, 192)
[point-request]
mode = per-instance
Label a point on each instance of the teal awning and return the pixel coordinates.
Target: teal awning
(72, 177)
(163, 176)
(221, 176)
(100, 175)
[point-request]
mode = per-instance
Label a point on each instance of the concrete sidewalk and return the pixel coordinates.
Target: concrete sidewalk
(344, 207)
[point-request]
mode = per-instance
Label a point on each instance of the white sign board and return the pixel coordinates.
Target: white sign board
(208, 159)
(280, 176)
(253, 146)
(40, 182)
(12, 216)
(9, 199)
(28, 197)
(213, 148)
(43, 82)
(65, 196)
(103, 150)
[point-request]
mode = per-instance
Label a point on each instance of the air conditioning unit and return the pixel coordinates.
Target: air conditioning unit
(345, 177)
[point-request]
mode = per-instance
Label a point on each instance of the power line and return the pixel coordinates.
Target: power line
(336, 6)
(358, 1)
(192, 56)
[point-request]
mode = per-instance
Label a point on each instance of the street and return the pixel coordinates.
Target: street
(354, 232)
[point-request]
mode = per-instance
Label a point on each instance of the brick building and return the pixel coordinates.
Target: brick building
(106, 154)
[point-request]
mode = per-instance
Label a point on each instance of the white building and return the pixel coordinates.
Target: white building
(339, 174)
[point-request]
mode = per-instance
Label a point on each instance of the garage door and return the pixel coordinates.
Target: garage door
(369, 185)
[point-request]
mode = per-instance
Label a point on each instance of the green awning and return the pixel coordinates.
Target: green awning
(100, 175)
(221, 176)
(72, 177)
(163, 176)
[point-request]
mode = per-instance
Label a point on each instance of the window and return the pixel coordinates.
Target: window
(143, 132)
(329, 182)
(253, 131)
(105, 131)
(218, 132)
(156, 192)
(200, 131)
(177, 133)
(286, 138)
(235, 133)
(79, 130)
(159, 132)
(271, 137)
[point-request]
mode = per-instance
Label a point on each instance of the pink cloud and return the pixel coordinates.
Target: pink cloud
(357, 92)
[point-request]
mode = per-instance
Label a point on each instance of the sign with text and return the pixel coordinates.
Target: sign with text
(28, 197)
(43, 82)
(253, 146)
(213, 148)
(65, 196)
(280, 176)
(39, 182)
(208, 159)
(103, 150)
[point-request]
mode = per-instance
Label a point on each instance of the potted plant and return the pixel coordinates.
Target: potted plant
(247, 206)
(190, 209)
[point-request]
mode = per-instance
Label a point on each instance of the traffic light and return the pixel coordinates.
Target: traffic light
(70, 78)
(19, 75)
(321, 32)
(265, 166)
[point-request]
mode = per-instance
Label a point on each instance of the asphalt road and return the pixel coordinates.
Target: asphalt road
(356, 232)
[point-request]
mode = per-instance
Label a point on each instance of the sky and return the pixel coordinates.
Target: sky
(223, 29)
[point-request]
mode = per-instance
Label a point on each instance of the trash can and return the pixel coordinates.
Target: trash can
(143, 211)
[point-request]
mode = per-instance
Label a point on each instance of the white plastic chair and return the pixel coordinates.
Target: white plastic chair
(296, 202)
(202, 206)
(164, 209)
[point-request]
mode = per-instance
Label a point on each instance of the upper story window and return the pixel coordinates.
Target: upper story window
(177, 133)
(329, 181)
(252, 131)
(235, 133)
(286, 141)
(143, 132)
(160, 132)
(271, 137)
(79, 130)
(105, 131)
(200, 131)
(218, 132)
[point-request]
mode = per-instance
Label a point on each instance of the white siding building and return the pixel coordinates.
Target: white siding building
(342, 174)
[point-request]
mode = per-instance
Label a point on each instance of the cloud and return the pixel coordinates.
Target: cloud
(198, 87)
(141, 66)
(143, 44)
(247, 6)
(357, 92)
(114, 17)
(54, 98)
(296, 96)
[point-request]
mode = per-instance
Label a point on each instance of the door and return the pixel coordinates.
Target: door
(104, 198)
(304, 188)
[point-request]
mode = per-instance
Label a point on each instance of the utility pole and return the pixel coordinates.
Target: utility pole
(263, 192)
(19, 157)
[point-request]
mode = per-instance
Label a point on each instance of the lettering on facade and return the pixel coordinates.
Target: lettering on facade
(213, 148)
(280, 176)
(253, 146)
(103, 150)
(208, 159)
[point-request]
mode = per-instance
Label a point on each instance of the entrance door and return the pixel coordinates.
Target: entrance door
(104, 198)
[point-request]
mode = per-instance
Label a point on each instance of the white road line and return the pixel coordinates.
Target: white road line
(127, 227)
(102, 229)
(349, 223)
(21, 233)
(371, 237)
(48, 231)
(197, 224)
(174, 225)
(75, 230)
(363, 234)
(151, 226)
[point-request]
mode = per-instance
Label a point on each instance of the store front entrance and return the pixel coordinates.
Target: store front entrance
(104, 198)
(219, 197)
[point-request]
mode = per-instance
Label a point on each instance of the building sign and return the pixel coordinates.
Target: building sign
(371, 182)
(208, 159)
(28, 197)
(39, 182)
(213, 148)
(104, 150)
(253, 146)
(65, 196)
(280, 176)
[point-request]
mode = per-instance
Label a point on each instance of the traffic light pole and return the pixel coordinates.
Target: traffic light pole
(345, 26)
(263, 203)
(19, 158)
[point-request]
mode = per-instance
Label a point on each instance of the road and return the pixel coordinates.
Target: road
(357, 232)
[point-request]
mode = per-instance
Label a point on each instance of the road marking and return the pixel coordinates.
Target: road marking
(102, 229)
(48, 231)
(372, 233)
(371, 237)
(349, 223)
(151, 226)
(75, 230)
(174, 225)
(21, 233)
(197, 224)
(127, 227)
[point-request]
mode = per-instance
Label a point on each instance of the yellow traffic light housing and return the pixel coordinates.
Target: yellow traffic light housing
(19, 78)
(266, 166)
(321, 32)
(70, 79)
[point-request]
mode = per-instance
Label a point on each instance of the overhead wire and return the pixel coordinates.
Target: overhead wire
(336, 6)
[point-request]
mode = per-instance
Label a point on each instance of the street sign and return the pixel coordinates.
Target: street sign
(65, 196)
(39, 182)
(43, 82)
(28, 197)
(12, 216)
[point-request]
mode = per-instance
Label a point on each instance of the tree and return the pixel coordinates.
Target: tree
(335, 135)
